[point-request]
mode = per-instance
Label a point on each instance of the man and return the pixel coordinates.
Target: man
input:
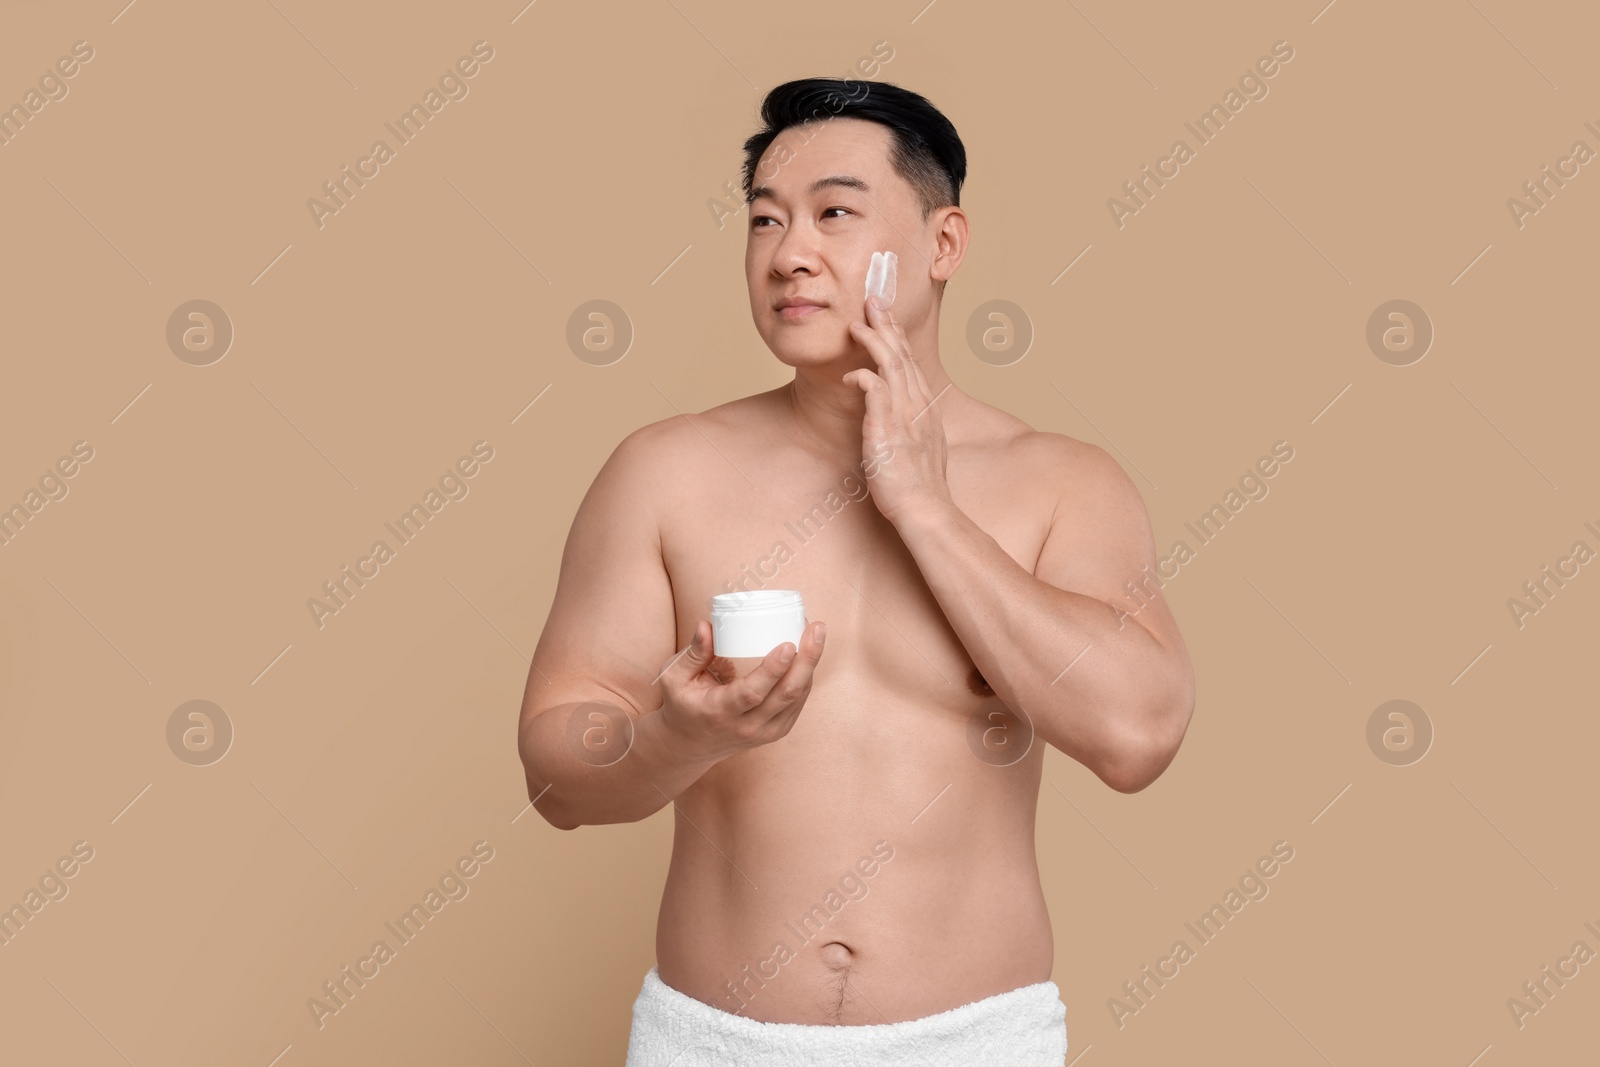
(857, 882)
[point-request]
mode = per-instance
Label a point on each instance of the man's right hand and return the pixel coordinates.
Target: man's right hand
(712, 720)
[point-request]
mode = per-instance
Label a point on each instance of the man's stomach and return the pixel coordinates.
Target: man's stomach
(869, 867)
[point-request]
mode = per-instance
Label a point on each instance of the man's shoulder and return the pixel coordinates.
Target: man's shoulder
(659, 455)
(1067, 456)
(1041, 453)
(665, 438)
(1078, 476)
(1094, 509)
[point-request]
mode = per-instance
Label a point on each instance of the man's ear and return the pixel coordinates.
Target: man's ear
(949, 225)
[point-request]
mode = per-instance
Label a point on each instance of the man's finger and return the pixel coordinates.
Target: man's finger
(898, 342)
(694, 657)
(751, 691)
(877, 391)
(797, 679)
(883, 353)
(898, 350)
(795, 676)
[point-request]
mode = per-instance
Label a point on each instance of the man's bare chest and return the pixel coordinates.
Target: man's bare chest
(802, 529)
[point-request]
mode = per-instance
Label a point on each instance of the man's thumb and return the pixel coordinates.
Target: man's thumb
(698, 653)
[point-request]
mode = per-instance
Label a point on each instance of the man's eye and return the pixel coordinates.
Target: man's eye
(844, 209)
(755, 223)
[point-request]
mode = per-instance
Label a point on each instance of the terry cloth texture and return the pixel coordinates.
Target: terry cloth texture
(1024, 1027)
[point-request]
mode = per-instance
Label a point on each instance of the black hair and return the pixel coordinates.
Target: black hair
(926, 150)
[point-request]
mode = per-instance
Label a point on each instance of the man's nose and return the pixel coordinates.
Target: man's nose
(797, 250)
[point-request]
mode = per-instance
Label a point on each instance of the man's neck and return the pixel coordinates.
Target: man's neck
(829, 412)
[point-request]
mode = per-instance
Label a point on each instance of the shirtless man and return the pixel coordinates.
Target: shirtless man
(977, 605)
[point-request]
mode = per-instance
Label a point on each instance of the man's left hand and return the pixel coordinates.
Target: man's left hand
(901, 413)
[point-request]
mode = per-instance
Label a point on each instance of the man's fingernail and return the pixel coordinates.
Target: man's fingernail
(822, 632)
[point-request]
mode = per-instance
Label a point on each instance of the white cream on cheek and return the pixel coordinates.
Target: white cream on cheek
(881, 276)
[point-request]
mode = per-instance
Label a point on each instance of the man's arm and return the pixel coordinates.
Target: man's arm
(1112, 687)
(610, 631)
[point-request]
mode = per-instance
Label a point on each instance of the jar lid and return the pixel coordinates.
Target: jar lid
(755, 600)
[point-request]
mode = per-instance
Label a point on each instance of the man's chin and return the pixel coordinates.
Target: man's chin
(817, 352)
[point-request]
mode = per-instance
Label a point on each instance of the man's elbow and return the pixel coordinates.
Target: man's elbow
(541, 800)
(1146, 757)
(540, 795)
(1137, 769)
(554, 816)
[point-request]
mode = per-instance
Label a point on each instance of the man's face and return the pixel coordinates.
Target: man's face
(816, 243)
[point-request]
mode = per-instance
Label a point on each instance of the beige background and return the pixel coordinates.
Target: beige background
(368, 355)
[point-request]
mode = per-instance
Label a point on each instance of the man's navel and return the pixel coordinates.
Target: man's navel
(978, 686)
(836, 954)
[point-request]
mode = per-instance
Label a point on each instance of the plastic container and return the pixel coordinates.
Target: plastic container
(748, 625)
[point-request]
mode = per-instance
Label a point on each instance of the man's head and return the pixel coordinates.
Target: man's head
(842, 169)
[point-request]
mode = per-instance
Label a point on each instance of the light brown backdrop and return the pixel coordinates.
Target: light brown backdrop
(369, 754)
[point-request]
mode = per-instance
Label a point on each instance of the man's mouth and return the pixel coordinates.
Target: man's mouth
(794, 309)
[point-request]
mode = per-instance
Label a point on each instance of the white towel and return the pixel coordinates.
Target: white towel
(1024, 1027)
